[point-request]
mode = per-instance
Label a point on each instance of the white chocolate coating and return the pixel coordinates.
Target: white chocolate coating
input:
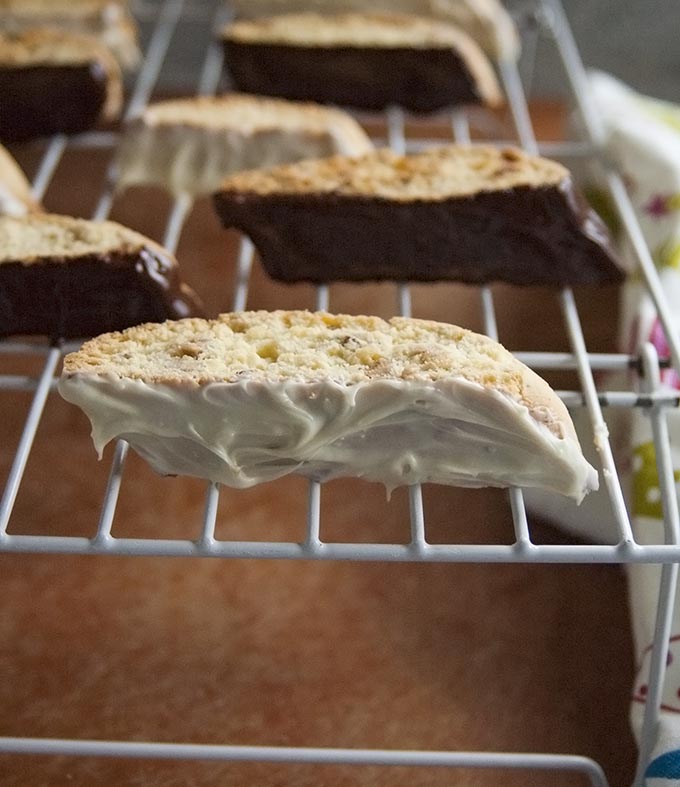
(397, 432)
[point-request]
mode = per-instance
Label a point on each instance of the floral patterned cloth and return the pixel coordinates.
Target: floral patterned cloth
(643, 139)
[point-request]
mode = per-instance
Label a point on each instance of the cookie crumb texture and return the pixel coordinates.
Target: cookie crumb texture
(462, 213)
(252, 396)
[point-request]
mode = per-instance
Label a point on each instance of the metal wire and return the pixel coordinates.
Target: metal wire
(113, 485)
(322, 297)
(417, 514)
(35, 412)
(313, 541)
(48, 165)
(388, 553)
(522, 119)
(576, 75)
(599, 425)
(461, 133)
(243, 268)
(209, 517)
(180, 211)
(668, 582)
(282, 754)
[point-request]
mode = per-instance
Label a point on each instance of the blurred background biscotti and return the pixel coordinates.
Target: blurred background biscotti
(190, 145)
(54, 81)
(366, 61)
(109, 21)
(486, 21)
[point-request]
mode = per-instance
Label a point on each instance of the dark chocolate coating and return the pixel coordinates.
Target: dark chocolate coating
(547, 235)
(36, 101)
(86, 296)
(421, 80)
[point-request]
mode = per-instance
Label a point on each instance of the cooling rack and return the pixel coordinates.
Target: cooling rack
(547, 20)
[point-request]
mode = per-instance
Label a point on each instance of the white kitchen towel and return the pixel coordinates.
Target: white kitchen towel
(643, 139)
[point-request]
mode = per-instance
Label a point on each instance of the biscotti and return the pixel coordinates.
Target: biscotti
(463, 213)
(189, 145)
(369, 61)
(53, 81)
(486, 21)
(15, 191)
(109, 21)
(253, 396)
(63, 277)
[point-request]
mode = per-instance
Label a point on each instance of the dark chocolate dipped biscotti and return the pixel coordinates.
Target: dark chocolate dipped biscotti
(463, 213)
(53, 81)
(369, 61)
(64, 278)
(486, 21)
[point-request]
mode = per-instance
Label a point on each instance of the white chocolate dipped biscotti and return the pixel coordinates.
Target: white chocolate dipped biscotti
(190, 144)
(252, 396)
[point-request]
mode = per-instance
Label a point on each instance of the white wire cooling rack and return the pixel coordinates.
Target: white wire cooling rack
(546, 19)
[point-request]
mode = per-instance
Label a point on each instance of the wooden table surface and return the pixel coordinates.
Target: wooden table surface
(478, 657)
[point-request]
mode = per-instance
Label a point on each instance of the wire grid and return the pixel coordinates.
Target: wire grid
(552, 22)
(550, 18)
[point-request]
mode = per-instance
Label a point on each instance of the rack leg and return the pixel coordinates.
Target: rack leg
(668, 583)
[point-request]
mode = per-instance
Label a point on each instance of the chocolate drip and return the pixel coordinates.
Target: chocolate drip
(421, 80)
(90, 295)
(40, 100)
(545, 235)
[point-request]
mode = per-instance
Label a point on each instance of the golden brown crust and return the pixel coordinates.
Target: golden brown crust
(486, 21)
(436, 174)
(354, 29)
(31, 238)
(70, 7)
(44, 45)
(110, 21)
